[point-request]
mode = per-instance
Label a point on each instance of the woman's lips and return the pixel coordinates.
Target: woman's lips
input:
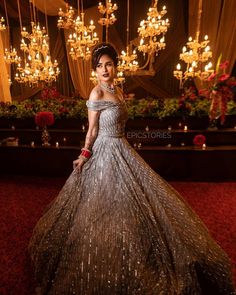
(105, 75)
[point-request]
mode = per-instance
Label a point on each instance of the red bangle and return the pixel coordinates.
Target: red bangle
(86, 153)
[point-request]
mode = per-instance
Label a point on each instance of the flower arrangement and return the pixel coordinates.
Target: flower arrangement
(49, 93)
(67, 108)
(44, 119)
(220, 91)
(199, 140)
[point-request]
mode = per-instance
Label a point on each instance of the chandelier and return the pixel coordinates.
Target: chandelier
(82, 39)
(107, 10)
(127, 60)
(151, 29)
(196, 55)
(66, 19)
(38, 66)
(84, 36)
(11, 56)
(2, 24)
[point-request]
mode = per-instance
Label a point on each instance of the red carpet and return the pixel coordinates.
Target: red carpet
(23, 199)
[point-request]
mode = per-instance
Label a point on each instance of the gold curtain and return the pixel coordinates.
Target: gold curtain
(5, 94)
(51, 6)
(80, 70)
(218, 21)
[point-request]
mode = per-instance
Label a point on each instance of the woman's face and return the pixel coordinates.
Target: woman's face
(105, 69)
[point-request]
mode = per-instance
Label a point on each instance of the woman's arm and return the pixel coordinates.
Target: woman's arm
(92, 132)
(93, 119)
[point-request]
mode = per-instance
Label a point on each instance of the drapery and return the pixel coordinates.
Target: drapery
(218, 21)
(50, 6)
(5, 95)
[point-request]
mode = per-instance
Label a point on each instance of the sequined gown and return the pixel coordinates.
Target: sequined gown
(118, 228)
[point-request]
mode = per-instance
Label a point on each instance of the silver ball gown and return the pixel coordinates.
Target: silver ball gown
(118, 228)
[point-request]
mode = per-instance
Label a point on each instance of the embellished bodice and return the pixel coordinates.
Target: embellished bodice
(112, 119)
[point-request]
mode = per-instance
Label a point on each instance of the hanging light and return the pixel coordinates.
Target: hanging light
(152, 30)
(2, 24)
(108, 12)
(127, 60)
(66, 19)
(83, 38)
(196, 55)
(37, 65)
(11, 56)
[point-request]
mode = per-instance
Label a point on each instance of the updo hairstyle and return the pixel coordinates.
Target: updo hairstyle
(100, 50)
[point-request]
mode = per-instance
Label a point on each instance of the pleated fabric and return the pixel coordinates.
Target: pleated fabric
(118, 228)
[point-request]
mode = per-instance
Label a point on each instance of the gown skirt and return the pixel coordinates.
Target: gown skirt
(118, 228)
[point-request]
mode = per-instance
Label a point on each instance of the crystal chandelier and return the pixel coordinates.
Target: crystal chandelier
(38, 66)
(151, 29)
(84, 36)
(109, 17)
(2, 24)
(196, 55)
(82, 39)
(66, 19)
(127, 60)
(11, 56)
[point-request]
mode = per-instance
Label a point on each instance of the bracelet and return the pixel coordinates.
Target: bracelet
(84, 158)
(85, 154)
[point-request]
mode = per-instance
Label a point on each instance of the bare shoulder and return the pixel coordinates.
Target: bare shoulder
(96, 94)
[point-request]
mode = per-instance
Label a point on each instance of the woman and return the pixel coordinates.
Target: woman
(117, 227)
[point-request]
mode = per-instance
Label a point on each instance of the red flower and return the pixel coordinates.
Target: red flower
(224, 65)
(199, 140)
(203, 92)
(223, 77)
(43, 119)
(211, 77)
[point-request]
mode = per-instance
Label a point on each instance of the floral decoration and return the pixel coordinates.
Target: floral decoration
(68, 108)
(43, 119)
(199, 140)
(220, 91)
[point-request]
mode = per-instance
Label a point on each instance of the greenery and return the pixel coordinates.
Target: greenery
(146, 107)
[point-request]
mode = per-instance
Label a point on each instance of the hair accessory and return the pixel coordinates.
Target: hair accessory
(99, 48)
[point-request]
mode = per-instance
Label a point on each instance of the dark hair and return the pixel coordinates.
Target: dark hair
(100, 50)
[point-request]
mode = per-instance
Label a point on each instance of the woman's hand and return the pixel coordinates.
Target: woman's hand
(78, 164)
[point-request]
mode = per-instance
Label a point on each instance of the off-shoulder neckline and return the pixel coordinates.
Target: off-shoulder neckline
(106, 100)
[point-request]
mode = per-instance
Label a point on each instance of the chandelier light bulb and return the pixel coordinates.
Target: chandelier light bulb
(190, 39)
(178, 67)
